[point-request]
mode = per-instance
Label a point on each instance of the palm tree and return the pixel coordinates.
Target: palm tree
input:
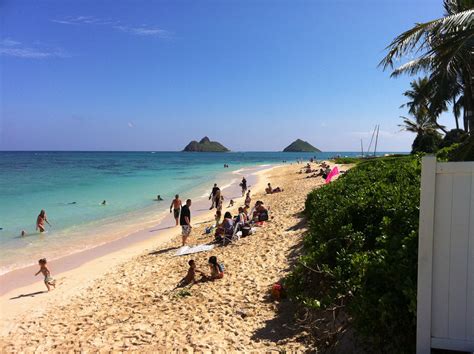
(421, 125)
(425, 104)
(445, 49)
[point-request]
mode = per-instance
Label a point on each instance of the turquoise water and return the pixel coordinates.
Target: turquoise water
(128, 181)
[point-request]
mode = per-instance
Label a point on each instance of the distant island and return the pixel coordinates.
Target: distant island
(205, 145)
(300, 146)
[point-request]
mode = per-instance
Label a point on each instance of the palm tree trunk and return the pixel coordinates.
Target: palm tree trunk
(469, 106)
(455, 113)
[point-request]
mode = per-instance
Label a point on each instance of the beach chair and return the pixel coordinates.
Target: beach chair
(234, 237)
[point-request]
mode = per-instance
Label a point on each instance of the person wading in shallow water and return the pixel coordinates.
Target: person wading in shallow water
(42, 218)
(176, 208)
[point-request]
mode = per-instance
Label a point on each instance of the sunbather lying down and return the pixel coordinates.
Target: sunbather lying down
(271, 190)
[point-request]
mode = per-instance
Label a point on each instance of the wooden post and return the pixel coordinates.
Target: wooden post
(425, 255)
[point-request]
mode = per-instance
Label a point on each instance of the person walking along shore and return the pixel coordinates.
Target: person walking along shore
(175, 207)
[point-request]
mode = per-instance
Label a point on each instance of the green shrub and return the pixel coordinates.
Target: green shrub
(454, 136)
(465, 151)
(428, 143)
(447, 153)
(347, 160)
(362, 246)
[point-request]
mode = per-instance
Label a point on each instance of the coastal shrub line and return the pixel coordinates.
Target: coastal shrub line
(360, 251)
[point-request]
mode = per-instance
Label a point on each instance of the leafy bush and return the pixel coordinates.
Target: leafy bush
(447, 153)
(347, 160)
(428, 142)
(465, 151)
(454, 136)
(361, 246)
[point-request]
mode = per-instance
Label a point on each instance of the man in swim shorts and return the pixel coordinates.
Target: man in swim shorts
(185, 221)
(176, 208)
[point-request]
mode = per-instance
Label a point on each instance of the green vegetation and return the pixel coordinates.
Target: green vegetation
(360, 251)
(205, 145)
(347, 160)
(300, 146)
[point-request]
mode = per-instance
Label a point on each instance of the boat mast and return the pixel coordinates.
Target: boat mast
(362, 147)
(376, 139)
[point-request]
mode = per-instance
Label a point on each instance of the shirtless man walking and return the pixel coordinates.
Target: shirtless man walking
(176, 208)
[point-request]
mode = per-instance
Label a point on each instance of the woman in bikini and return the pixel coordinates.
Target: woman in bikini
(42, 218)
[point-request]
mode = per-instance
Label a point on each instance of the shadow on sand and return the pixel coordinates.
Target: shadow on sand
(284, 325)
(164, 250)
(161, 228)
(29, 295)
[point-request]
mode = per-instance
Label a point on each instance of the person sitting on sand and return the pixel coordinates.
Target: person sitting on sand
(48, 280)
(248, 200)
(326, 172)
(260, 213)
(216, 268)
(242, 217)
(176, 207)
(226, 228)
(231, 203)
(190, 277)
(270, 190)
(40, 220)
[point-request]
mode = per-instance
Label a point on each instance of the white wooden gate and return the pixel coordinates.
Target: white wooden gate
(445, 302)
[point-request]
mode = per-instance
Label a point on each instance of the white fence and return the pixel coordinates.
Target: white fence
(445, 303)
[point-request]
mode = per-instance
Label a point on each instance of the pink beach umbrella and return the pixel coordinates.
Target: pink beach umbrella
(334, 172)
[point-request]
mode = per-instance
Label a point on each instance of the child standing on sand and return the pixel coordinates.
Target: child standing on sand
(48, 280)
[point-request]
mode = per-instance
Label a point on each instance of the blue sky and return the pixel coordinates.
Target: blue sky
(153, 75)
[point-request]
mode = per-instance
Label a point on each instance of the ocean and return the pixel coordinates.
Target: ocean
(70, 186)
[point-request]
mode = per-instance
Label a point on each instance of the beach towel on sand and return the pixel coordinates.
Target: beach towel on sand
(193, 249)
(334, 172)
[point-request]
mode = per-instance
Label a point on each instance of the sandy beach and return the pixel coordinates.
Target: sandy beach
(126, 300)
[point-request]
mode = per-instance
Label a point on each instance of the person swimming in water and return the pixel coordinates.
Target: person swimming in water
(104, 202)
(42, 218)
(158, 198)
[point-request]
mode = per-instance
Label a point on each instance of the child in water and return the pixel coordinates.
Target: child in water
(48, 280)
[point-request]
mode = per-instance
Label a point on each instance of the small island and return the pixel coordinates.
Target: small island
(205, 145)
(300, 146)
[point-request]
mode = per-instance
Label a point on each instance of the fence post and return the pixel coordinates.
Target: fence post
(425, 255)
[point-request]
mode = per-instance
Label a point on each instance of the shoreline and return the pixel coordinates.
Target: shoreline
(131, 233)
(76, 272)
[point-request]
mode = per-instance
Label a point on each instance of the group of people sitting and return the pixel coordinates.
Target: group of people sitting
(226, 229)
(324, 171)
(216, 272)
(243, 221)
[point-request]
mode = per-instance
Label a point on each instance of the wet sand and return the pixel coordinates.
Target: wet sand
(126, 300)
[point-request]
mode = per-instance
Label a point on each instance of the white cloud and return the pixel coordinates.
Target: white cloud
(8, 42)
(12, 48)
(141, 30)
(145, 31)
(84, 20)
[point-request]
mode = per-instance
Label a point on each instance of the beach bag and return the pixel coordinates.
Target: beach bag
(246, 231)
